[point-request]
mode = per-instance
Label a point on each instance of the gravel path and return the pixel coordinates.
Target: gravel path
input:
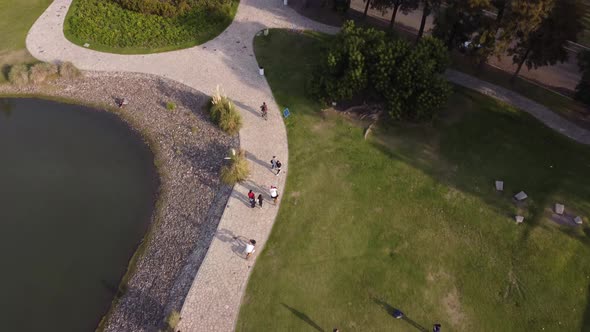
(542, 113)
(213, 301)
(189, 152)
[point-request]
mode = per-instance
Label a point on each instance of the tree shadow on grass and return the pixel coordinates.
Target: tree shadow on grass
(303, 317)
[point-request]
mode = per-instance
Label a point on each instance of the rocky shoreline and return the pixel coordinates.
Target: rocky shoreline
(189, 152)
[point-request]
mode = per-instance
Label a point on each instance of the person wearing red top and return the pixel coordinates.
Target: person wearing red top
(252, 198)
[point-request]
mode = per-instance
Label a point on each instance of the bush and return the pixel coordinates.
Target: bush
(172, 321)
(42, 72)
(238, 170)
(18, 75)
(109, 25)
(366, 61)
(224, 114)
(67, 70)
(170, 106)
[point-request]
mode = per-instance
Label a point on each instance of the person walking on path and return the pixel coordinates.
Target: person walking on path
(278, 167)
(264, 110)
(274, 193)
(252, 198)
(250, 248)
(260, 200)
(273, 162)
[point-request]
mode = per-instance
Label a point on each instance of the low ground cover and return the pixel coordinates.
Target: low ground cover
(17, 18)
(409, 219)
(106, 26)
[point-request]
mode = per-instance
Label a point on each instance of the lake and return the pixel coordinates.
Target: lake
(77, 192)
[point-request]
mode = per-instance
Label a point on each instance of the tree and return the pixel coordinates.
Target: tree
(343, 71)
(457, 23)
(583, 87)
(414, 88)
(405, 6)
(545, 45)
(408, 78)
(428, 6)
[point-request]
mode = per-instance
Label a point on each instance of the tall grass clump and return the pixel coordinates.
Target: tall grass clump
(223, 112)
(172, 321)
(67, 70)
(237, 170)
(42, 72)
(18, 75)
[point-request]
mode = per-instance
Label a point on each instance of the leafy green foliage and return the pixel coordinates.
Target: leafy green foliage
(583, 87)
(408, 78)
(238, 169)
(459, 21)
(544, 45)
(405, 6)
(223, 112)
(105, 24)
(18, 75)
(171, 106)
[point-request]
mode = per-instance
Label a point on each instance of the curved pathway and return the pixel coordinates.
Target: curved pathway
(228, 60)
(214, 299)
(542, 113)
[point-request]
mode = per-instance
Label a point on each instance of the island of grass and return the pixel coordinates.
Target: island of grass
(409, 219)
(116, 26)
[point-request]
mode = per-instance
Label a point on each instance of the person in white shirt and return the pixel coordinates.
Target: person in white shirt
(250, 248)
(274, 193)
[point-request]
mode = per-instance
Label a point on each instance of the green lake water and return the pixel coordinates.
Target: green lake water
(77, 190)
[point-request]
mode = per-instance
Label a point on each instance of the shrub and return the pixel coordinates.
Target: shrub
(18, 75)
(170, 106)
(224, 114)
(238, 170)
(408, 78)
(42, 72)
(172, 321)
(67, 70)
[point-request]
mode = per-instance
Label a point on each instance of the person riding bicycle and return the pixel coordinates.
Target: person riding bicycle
(264, 110)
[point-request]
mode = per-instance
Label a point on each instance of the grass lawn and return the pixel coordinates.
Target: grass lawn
(409, 218)
(17, 18)
(108, 27)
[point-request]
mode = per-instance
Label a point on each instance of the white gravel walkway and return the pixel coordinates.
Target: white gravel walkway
(214, 299)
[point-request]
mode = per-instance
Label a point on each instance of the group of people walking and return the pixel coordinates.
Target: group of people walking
(275, 164)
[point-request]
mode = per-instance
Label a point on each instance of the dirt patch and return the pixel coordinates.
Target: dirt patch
(452, 305)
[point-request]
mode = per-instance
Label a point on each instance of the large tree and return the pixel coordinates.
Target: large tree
(428, 7)
(544, 45)
(457, 23)
(405, 6)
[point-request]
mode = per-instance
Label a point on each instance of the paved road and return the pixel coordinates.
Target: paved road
(214, 299)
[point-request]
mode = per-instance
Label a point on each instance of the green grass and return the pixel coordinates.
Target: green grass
(409, 218)
(564, 106)
(17, 18)
(108, 27)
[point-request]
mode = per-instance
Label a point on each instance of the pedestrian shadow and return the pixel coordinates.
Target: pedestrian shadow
(391, 311)
(303, 317)
(249, 109)
(237, 242)
(262, 163)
